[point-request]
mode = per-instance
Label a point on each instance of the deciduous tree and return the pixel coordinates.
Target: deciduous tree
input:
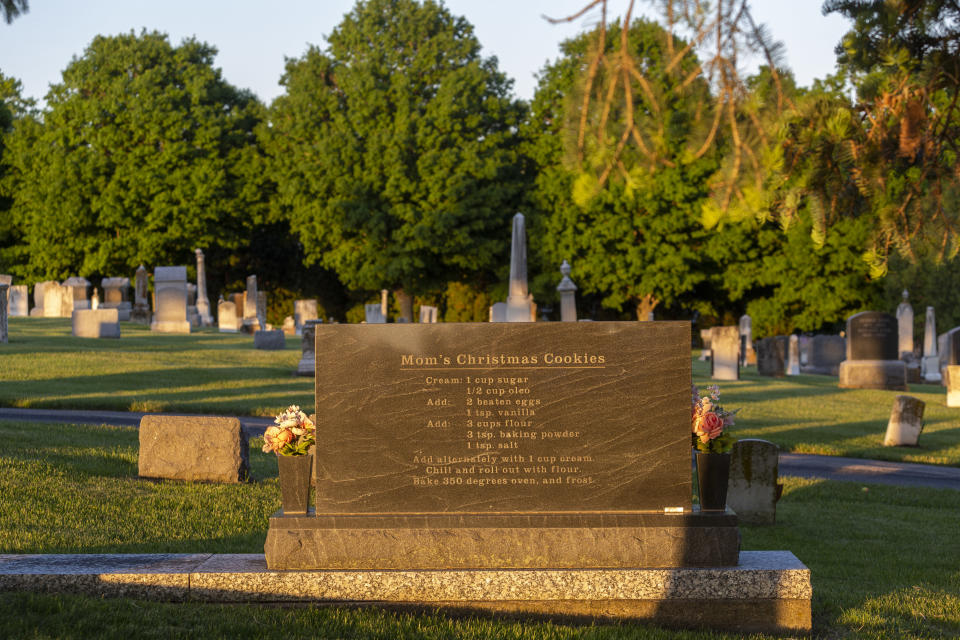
(395, 150)
(143, 153)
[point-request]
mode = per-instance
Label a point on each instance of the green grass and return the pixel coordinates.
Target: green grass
(209, 372)
(811, 414)
(44, 366)
(883, 559)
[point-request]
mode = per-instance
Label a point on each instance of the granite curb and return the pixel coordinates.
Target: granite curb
(245, 578)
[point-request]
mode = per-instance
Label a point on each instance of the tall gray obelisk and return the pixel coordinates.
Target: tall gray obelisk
(203, 303)
(519, 300)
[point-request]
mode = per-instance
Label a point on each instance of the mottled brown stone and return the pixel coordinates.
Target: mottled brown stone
(502, 541)
(203, 448)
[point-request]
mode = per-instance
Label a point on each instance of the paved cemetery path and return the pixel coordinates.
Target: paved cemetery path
(253, 425)
(791, 464)
(862, 470)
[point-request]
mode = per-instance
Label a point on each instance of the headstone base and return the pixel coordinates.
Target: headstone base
(95, 323)
(269, 340)
(170, 327)
(930, 368)
(502, 541)
(767, 592)
(873, 374)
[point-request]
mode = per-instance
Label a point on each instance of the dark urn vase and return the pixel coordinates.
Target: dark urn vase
(713, 472)
(295, 474)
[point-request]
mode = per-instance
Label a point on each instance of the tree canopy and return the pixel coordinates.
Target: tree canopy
(395, 150)
(638, 240)
(143, 153)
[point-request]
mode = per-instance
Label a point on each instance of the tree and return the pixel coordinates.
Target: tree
(638, 240)
(13, 109)
(143, 154)
(720, 33)
(12, 8)
(395, 151)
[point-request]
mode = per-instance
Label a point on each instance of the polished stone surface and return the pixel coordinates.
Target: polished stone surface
(501, 417)
(873, 374)
(872, 335)
(767, 591)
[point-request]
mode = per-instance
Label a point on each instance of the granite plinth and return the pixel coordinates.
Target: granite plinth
(768, 591)
(873, 374)
(498, 541)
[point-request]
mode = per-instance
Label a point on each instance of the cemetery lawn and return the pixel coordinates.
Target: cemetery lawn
(207, 372)
(883, 558)
(811, 414)
(44, 367)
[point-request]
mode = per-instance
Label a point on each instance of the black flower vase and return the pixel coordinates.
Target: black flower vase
(295, 474)
(713, 473)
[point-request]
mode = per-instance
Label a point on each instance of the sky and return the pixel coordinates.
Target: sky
(254, 38)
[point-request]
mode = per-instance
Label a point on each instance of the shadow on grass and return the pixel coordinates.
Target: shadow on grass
(163, 390)
(862, 543)
(34, 336)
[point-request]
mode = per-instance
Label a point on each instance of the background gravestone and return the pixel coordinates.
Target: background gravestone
(873, 353)
(170, 290)
(772, 356)
(79, 294)
(705, 338)
(753, 489)
(748, 356)
(948, 351)
(18, 301)
(141, 305)
(203, 448)
(905, 329)
(373, 314)
(227, 319)
(303, 310)
(38, 295)
(95, 323)
(953, 385)
(307, 365)
(825, 355)
(269, 340)
(202, 302)
(4, 339)
(428, 314)
(116, 295)
(793, 356)
(906, 422)
(250, 321)
(930, 363)
(568, 295)
(725, 353)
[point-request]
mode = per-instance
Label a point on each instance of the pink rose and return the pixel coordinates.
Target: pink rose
(712, 425)
(284, 437)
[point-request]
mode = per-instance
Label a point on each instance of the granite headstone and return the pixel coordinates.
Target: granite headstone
(725, 353)
(873, 353)
(502, 445)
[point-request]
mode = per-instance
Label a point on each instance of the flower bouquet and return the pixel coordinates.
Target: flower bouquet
(710, 421)
(293, 434)
(292, 437)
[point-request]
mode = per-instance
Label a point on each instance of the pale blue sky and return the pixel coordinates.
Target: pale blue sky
(253, 38)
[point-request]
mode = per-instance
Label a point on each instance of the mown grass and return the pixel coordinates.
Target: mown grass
(209, 372)
(883, 558)
(44, 366)
(811, 414)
